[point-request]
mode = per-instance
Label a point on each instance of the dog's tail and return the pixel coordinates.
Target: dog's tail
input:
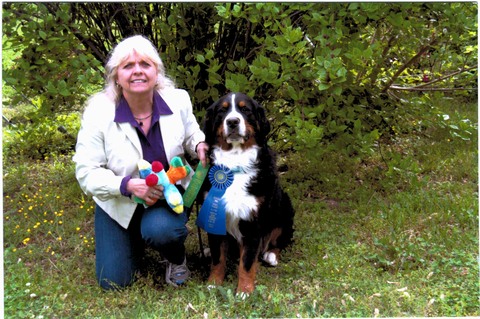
(287, 214)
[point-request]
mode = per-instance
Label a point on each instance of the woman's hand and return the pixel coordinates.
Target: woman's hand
(139, 188)
(202, 150)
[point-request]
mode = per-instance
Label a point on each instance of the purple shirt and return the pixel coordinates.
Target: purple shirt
(152, 143)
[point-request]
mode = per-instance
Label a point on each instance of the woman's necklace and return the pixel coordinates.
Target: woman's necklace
(141, 119)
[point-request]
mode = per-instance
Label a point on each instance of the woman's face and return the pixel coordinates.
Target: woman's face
(137, 75)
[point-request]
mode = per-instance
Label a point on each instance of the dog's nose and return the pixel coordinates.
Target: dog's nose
(233, 122)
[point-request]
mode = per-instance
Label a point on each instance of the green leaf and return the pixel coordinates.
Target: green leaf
(200, 58)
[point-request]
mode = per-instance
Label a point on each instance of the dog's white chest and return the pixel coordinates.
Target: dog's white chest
(239, 203)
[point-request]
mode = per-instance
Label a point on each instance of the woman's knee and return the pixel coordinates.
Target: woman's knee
(115, 280)
(118, 252)
(161, 227)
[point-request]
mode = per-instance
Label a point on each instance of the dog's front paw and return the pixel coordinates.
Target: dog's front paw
(270, 258)
(242, 295)
(211, 287)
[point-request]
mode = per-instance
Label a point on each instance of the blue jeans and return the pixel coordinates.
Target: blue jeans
(119, 251)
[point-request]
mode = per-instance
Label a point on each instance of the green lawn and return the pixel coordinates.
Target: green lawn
(391, 234)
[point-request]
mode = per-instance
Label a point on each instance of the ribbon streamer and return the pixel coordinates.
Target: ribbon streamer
(212, 216)
(195, 185)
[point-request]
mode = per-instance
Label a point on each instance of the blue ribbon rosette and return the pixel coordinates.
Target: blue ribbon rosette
(211, 217)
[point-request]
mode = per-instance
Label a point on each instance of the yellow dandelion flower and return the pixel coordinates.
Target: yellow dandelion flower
(60, 222)
(59, 238)
(30, 207)
(77, 229)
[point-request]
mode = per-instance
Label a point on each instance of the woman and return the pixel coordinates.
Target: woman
(139, 115)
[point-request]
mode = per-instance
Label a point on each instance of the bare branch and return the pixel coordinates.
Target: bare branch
(446, 76)
(408, 63)
(404, 88)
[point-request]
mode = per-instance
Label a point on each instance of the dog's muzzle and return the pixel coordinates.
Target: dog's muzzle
(233, 130)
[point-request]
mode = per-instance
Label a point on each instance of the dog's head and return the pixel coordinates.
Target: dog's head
(236, 120)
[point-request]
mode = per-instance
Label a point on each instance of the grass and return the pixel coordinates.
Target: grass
(392, 234)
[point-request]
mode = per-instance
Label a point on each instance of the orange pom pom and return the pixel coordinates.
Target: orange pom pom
(176, 173)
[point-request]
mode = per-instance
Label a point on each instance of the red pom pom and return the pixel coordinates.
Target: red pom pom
(157, 166)
(151, 180)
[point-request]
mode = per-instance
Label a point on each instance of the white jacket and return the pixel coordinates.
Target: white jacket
(107, 151)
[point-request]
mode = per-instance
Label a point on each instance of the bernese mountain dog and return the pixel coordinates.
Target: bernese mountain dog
(259, 214)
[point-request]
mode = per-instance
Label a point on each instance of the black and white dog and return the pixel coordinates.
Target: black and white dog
(259, 214)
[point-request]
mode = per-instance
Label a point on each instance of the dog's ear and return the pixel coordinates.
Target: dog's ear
(263, 123)
(209, 124)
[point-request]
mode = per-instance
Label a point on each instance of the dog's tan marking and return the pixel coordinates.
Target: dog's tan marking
(246, 279)
(221, 139)
(251, 137)
(225, 104)
(241, 104)
(217, 272)
(274, 236)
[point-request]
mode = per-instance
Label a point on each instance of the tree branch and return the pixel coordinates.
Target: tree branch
(403, 88)
(408, 63)
(446, 76)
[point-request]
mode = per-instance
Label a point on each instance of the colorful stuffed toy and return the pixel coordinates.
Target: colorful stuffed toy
(154, 174)
(177, 170)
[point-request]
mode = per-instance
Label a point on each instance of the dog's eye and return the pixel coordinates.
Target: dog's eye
(243, 109)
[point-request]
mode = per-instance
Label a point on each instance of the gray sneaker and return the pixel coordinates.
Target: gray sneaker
(177, 274)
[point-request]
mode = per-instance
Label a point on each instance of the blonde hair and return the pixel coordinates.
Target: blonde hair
(143, 47)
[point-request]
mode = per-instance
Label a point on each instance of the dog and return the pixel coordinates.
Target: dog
(259, 214)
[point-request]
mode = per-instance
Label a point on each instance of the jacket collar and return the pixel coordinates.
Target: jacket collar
(123, 113)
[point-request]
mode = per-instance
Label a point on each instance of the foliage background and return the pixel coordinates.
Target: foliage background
(329, 74)
(374, 110)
